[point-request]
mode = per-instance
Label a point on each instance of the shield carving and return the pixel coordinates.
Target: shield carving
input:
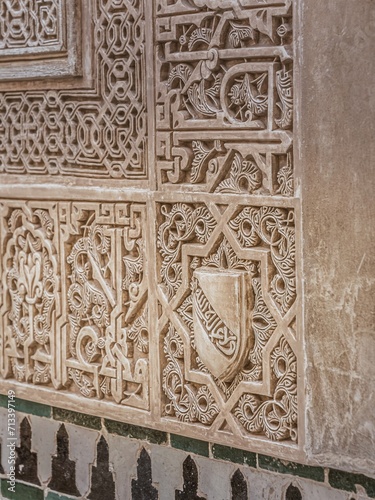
(222, 308)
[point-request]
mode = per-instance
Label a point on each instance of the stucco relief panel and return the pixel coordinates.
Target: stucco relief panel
(74, 304)
(224, 69)
(227, 292)
(31, 27)
(175, 306)
(98, 131)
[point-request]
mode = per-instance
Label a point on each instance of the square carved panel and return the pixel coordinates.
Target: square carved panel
(92, 126)
(75, 312)
(31, 28)
(40, 39)
(224, 104)
(227, 295)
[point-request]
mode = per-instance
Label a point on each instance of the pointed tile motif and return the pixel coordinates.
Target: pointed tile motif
(102, 482)
(293, 493)
(239, 486)
(142, 488)
(190, 487)
(63, 469)
(26, 461)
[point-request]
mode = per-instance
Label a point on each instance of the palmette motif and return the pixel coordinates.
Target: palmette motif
(31, 288)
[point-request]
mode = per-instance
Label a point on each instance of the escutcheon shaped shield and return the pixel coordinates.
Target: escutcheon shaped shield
(222, 309)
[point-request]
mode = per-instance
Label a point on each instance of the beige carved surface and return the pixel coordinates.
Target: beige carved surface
(92, 311)
(40, 39)
(176, 305)
(227, 284)
(28, 26)
(95, 133)
(224, 68)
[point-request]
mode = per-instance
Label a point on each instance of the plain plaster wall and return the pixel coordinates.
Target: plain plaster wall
(336, 158)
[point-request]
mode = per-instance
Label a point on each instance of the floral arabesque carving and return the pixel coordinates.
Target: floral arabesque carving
(174, 304)
(31, 287)
(276, 418)
(228, 315)
(182, 224)
(215, 75)
(107, 336)
(188, 402)
(274, 227)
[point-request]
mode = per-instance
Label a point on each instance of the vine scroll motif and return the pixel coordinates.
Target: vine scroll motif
(107, 335)
(276, 418)
(229, 317)
(188, 402)
(225, 69)
(31, 294)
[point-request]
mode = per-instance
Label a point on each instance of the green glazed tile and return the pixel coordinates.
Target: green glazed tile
(136, 432)
(73, 417)
(24, 406)
(284, 467)
(22, 491)
(347, 481)
(3, 401)
(38, 409)
(190, 445)
(235, 455)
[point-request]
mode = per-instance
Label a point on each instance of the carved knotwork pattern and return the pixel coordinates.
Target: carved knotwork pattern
(225, 69)
(30, 25)
(100, 133)
(256, 244)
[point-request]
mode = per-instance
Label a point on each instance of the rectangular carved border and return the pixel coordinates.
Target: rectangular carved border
(66, 393)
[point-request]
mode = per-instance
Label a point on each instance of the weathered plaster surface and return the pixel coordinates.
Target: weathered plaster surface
(337, 152)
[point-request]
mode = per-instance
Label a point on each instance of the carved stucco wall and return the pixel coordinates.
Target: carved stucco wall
(151, 243)
(176, 304)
